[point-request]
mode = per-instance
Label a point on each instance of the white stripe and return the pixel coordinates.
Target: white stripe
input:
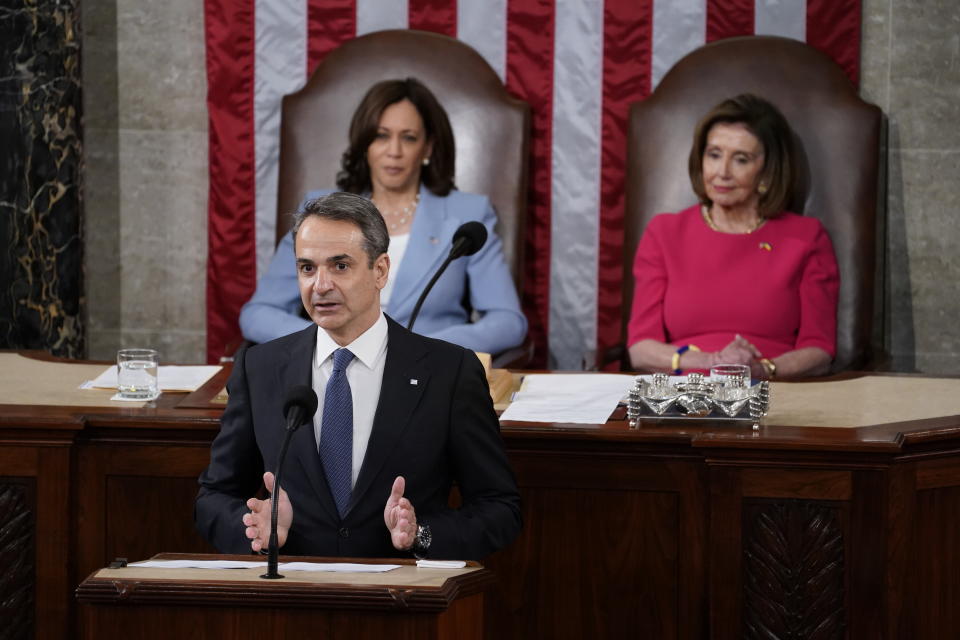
(280, 67)
(679, 27)
(787, 18)
(483, 26)
(575, 190)
(377, 15)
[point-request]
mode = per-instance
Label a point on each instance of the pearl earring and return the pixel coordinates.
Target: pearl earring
(761, 188)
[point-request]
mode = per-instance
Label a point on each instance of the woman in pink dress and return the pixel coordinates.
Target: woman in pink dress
(736, 279)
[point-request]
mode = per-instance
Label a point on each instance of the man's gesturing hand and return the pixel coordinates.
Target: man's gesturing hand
(258, 520)
(400, 517)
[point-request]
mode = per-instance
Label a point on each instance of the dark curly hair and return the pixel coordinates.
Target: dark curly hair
(354, 176)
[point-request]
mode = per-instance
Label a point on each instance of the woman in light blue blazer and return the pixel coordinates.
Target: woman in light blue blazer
(401, 155)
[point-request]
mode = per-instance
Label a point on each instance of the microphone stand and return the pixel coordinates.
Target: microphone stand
(273, 552)
(423, 296)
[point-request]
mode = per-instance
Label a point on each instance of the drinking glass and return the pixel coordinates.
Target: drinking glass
(137, 374)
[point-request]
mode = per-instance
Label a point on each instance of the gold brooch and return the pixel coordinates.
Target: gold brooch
(766, 246)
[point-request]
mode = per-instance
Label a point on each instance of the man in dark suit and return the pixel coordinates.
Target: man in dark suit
(402, 417)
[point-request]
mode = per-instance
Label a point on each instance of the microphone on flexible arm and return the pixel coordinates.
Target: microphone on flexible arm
(468, 239)
(298, 407)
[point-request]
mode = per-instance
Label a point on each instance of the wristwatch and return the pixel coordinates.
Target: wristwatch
(421, 542)
(769, 367)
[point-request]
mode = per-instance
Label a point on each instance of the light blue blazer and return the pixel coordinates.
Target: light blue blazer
(274, 309)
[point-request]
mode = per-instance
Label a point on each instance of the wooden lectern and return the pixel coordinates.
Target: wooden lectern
(409, 602)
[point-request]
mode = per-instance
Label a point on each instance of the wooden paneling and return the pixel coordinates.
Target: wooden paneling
(936, 561)
(136, 501)
(724, 553)
(940, 472)
(811, 485)
(883, 521)
(624, 556)
(259, 623)
(133, 504)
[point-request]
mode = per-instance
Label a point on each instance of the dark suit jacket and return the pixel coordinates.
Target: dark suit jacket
(434, 425)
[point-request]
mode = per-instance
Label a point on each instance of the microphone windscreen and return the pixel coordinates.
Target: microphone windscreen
(300, 397)
(469, 238)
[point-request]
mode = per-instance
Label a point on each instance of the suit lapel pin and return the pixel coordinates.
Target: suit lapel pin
(413, 381)
(766, 246)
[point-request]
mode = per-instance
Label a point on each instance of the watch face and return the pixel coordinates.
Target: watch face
(424, 537)
(421, 543)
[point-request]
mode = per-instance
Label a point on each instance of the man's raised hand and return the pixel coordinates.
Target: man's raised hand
(400, 517)
(257, 520)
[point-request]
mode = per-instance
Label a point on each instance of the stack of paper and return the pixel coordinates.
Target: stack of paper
(171, 377)
(583, 398)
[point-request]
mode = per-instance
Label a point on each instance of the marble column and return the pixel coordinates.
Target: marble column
(41, 279)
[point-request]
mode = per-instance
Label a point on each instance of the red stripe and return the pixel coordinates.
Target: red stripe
(330, 23)
(627, 42)
(530, 34)
(231, 251)
(833, 26)
(439, 16)
(729, 18)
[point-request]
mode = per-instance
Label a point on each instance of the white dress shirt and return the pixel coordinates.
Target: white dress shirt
(365, 375)
(398, 247)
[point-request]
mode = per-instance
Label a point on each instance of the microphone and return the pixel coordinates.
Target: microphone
(299, 405)
(467, 240)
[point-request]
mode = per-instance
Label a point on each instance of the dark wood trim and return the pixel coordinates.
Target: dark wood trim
(284, 594)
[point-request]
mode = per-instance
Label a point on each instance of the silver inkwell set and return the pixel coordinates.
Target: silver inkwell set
(727, 394)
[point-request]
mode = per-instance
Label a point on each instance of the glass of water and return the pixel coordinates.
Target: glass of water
(137, 374)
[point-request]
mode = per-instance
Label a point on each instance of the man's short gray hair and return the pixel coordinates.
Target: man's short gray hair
(351, 208)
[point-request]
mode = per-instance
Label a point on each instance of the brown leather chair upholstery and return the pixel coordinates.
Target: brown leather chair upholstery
(838, 143)
(490, 127)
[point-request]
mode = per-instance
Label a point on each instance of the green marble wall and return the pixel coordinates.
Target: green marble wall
(41, 275)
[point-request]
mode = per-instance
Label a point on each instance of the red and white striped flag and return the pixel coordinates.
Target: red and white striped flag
(578, 63)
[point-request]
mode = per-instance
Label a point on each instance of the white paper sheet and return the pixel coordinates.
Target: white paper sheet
(441, 564)
(198, 564)
(581, 398)
(342, 567)
(171, 377)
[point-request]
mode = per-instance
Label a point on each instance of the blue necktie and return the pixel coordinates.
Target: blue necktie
(336, 431)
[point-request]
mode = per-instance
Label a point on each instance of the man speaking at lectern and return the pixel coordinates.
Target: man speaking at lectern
(401, 418)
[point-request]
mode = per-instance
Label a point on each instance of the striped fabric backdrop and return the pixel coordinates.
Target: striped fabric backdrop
(578, 63)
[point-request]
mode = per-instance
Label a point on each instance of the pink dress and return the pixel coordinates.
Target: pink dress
(777, 287)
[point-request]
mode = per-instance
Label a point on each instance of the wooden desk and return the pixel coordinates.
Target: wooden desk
(143, 603)
(688, 531)
(665, 531)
